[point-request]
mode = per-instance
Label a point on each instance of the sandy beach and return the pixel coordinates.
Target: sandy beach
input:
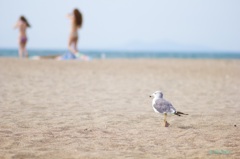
(101, 109)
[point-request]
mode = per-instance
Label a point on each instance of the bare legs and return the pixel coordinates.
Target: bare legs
(22, 49)
(72, 45)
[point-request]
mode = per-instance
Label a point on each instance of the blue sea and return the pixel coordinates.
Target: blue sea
(97, 54)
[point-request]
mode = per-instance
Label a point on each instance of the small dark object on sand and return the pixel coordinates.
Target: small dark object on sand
(235, 125)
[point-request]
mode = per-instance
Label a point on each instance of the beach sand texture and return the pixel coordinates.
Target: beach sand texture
(102, 109)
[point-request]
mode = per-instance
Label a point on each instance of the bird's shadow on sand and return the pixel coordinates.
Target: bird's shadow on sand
(185, 127)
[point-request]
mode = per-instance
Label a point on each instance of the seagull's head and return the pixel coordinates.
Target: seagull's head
(157, 94)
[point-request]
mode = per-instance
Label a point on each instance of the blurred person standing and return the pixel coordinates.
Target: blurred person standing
(76, 24)
(22, 24)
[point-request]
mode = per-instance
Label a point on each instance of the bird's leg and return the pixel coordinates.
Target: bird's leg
(165, 119)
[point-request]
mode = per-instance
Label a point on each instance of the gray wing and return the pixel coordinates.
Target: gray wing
(163, 106)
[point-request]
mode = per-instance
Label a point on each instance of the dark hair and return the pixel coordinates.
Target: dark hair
(78, 17)
(22, 18)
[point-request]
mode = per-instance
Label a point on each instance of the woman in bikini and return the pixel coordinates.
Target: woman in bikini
(76, 23)
(22, 25)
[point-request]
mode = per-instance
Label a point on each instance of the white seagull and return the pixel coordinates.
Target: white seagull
(163, 106)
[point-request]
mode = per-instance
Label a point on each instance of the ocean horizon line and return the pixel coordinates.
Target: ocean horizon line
(126, 50)
(98, 53)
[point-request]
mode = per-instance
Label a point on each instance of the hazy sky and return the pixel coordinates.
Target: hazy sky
(109, 24)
